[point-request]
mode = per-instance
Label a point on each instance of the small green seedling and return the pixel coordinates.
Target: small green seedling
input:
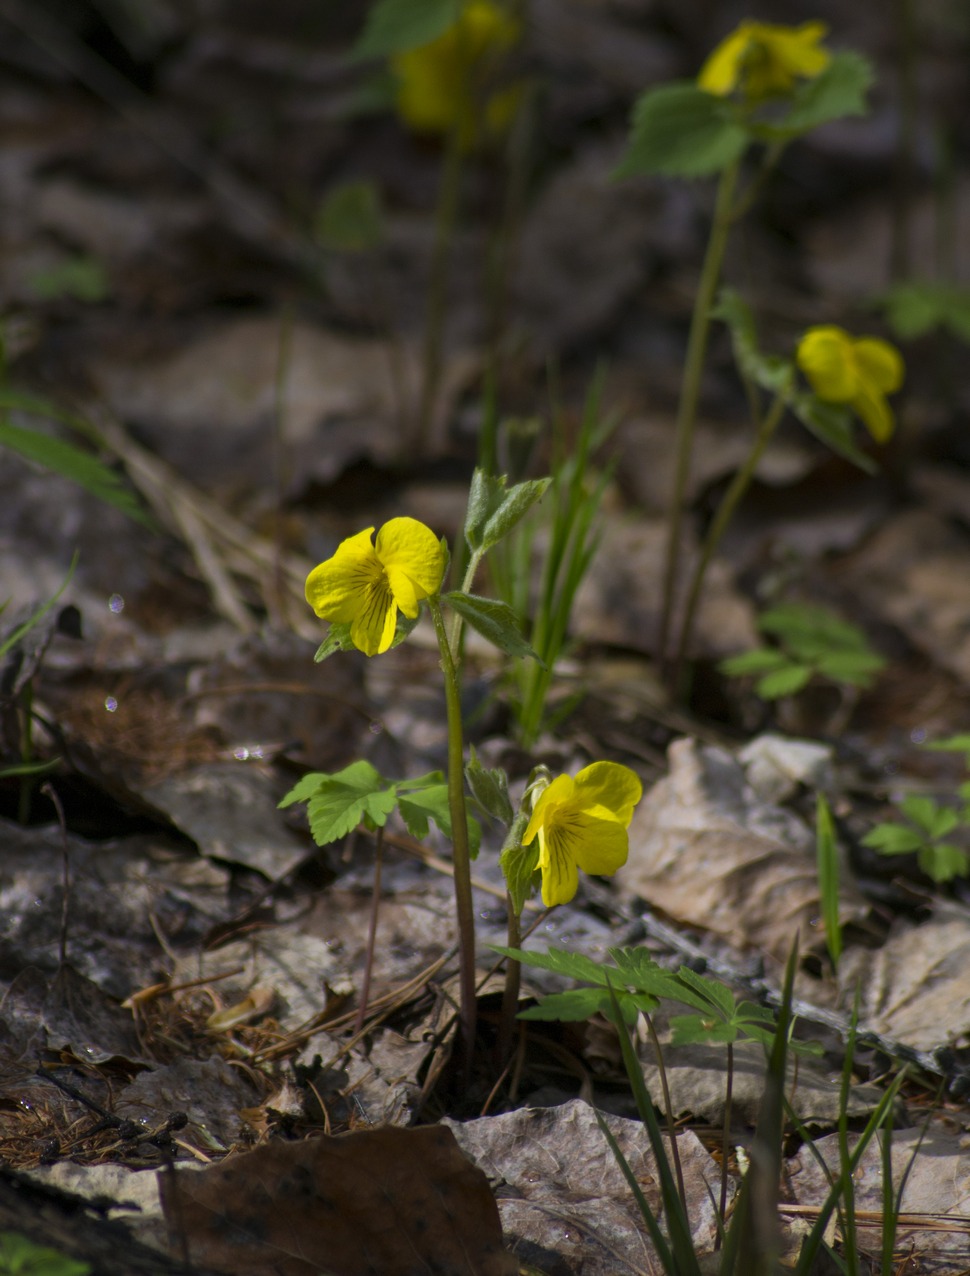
(915, 309)
(924, 831)
(812, 642)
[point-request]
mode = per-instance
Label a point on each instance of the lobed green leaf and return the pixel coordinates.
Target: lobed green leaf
(678, 130)
(396, 25)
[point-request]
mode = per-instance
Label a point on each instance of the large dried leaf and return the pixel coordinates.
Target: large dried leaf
(704, 849)
(393, 1201)
(564, 1194)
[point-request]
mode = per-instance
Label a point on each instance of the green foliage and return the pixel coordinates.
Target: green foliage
(20, 1256)
(924, 827)
(81, 277)
(396, 25)
(493, 619)
(914, 309)
(566, 524)
(812, 642)
(494, 511)
(827, 859)
(337, 803)
(678, 130)
(832, 424)
(350, 219)
(338, 637)
(490, 789)
(62, 457)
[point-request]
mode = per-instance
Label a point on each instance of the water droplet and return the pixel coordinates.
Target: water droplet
(116, 603)
(240, 753)
(376, 728)
(918, 735)
(891, 768)
(110, 703)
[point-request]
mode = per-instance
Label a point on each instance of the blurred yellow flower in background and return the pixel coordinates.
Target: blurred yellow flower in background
(365, 584)
(858, 371)
(450, 83)
(763, 60)
(582, 823)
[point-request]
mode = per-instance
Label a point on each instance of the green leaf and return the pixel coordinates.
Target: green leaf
(894, 839)
(840, 90)
(952, 744)
(760, 660)
(818, 628)
(784, 682)
(82, 277)
(704, 993)
(490, 789)
(20, 1256)
(80, 467)
(936, 820)
(493, 620)
(574, 965)
(943, 861)
(396, 25)
(342, 800)
(517, 503)
(771, 372)
(520, 865)
(304, 789)
(858, 668)
(832, 424)
(680, 131)
(433, 801)
(568, 1007)
(827, 861)
(485, 494)
(350, 218)
(914, 309)
(637, 969)
(687, 1029)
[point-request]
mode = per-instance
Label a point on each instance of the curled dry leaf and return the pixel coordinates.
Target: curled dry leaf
(387, 1201)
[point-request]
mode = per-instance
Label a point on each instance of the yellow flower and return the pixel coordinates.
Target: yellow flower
(582, 823)
(365, 584)
(858, 371)
(443, 85)
(763, 60)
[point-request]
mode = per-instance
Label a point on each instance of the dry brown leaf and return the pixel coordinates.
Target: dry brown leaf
(706, 851)
(385, 1202)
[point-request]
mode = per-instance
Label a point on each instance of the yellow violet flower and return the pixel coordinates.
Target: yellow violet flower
(763, 60)
(440, 85)
(365, 584)
(582, 823)
(858, 371)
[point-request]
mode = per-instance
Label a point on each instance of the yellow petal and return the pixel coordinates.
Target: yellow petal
(607, 791)
(413, 560)
(825, 355)
(722, 69)
(875, 412)
(372, 628)
(550, 799)
(879, 363)
(795, 49)
(334, 588)
(600, 846)
(560, 877)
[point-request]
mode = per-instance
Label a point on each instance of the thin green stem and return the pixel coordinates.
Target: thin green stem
(371, 932)
(513, 979)
(725, 512)
(726, 1143)
(461, 856)
(446, 215)
(668, 1111)
(691, 387)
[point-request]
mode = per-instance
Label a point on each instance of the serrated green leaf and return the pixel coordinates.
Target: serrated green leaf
(350, 219)
(415, 807)
(490, 789)
(839, 91)
(514, 507)
(928, 815)
(637, 969)
(343, 799)
(494, 620)
(833, 425)
(772, 372)
(680, 131)
(574, 965)
(894, 839)
(944, 861)
(80, 467)
(760, 660)
(304, 789)
(688, 1029)
(394, 26)
(702, 992)
(783, 682)
(568, 1007)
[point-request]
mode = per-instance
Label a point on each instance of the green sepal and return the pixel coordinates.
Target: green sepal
(520, 864)
(394, 26)
(494, 620)
(678, 130)
(338, 637)
(490, 789)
